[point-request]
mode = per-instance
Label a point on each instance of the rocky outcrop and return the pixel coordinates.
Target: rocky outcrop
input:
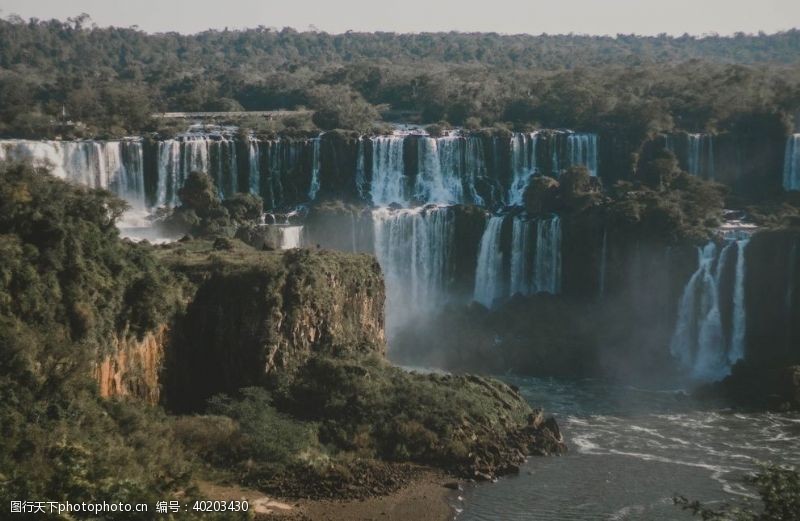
(257, 317)
(133, 367)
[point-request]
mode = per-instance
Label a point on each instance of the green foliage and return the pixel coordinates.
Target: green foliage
(111, 79)
(263, 433)
(203, 214)
(341, 107)
(778, 489)
(367, 406)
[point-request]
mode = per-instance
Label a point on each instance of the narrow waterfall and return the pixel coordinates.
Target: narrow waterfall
(388, 171)
(361, 175)
(117, 166)
(700, 155)
(547, 257)
(475, 167)
(254, 165)
(582, 150)
(315, 152)
(489, 274)
(413, 247)
(521, 257)
(214, 155)
(438, 168)
(523, 165)
(290, 237)
(791, 164)
(700, 341)
(736, 351)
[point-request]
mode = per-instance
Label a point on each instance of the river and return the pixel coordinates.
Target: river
(630, 451)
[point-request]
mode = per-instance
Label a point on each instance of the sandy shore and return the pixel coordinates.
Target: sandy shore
(425, 499)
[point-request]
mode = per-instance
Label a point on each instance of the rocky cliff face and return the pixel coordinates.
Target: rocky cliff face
(133, 367)
(257, 317)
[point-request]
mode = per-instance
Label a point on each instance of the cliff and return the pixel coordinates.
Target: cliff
(258, 316)
(133, 367)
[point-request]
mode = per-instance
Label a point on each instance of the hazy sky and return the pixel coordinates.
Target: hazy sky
(504, 16)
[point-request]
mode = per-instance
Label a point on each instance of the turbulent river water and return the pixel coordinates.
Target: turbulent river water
(630, 452)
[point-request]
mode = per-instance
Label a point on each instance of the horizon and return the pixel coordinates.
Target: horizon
(516, 17)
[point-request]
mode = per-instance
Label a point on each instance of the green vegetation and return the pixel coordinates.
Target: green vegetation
(112, 79)
(327, 416)
(778, 489)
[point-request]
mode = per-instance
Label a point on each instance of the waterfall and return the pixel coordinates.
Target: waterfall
(582, 150)
(699, 340)
(521, 250)
(700, 155)
(413, 247)
(523, 165)
(361, 176)
(791, 164)
(438, 168)
(254, 165)
(489, 274)
(314, 188)
(388, 171)
(117, 166)
(736, 351)
(212, 154)
(475, 167)
(290, 237)
(547, 257)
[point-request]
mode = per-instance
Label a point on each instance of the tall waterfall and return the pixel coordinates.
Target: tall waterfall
(791, 164)
(438, 171)
(582, 150)
(535, 264)
(315, 153)
(489, 274)
(117, 166)
(413, 247)
(523, 165)
(254, 163)
(700, 155)
(213, 154)
(700, 342)
(521, 261)
(290, 237)
(547, 257)
(388, 171)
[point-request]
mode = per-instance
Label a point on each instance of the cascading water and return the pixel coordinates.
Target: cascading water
(315, 152)
(535, 264)
(699, 341)
(521, 250)
(700, 155)
(523, 165)
(361, 176)
(290, 237)
(117, 166)
(388, 171)
(547, 257)
(213, 154)
(254, 164)
(791, 164)
(582, 150)
(438, 168)
(489, 274)
(413, 247)
(475, 167)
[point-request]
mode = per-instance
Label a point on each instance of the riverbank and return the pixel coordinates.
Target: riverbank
(425, 498)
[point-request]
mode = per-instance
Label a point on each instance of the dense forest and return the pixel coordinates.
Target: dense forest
(111, 80)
